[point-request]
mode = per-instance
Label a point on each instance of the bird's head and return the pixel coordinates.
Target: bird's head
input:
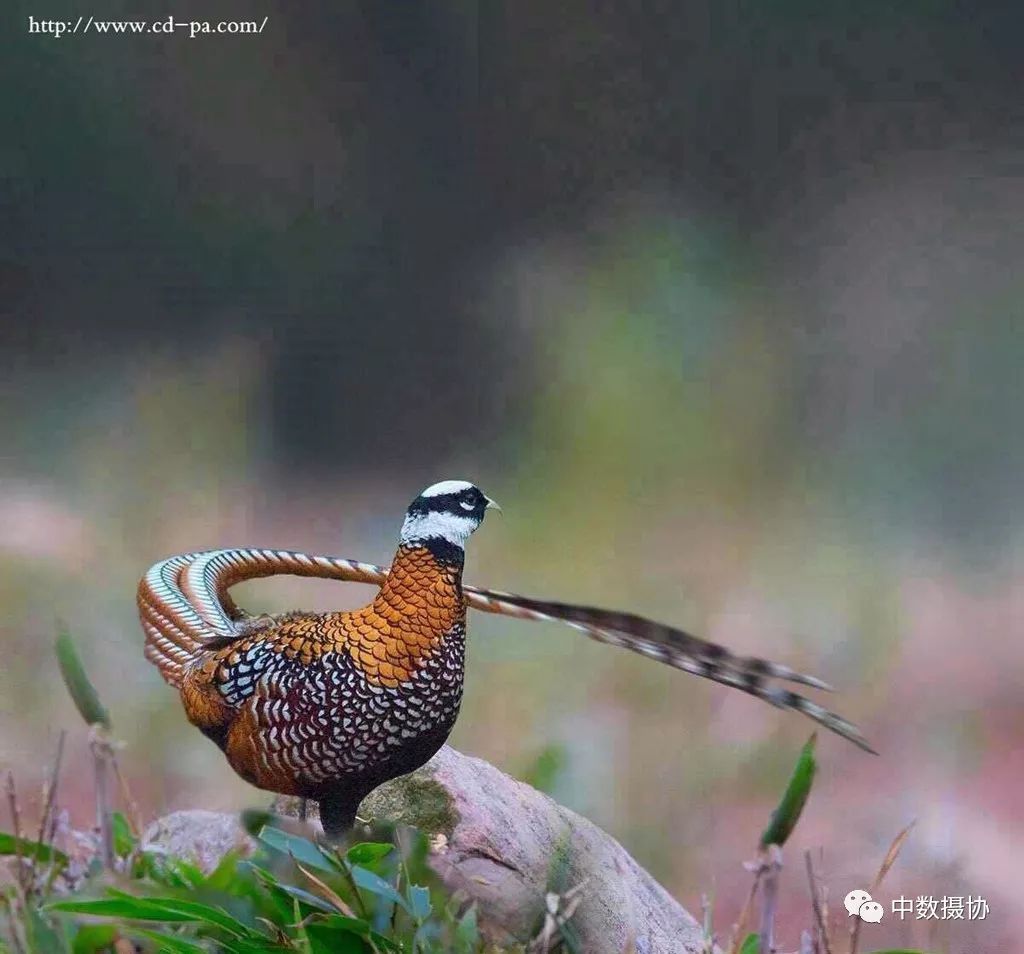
(445, 514)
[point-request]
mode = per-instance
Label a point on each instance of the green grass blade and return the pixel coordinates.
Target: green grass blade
(34, 850)
(306, 897)
(196, 912)
(169, 910)
(751, 943)
(467, 932)
(124, 840)
(82, 691)
(787, 814)
(134, 909)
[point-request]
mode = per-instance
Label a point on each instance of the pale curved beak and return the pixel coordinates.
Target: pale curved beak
(492, 505)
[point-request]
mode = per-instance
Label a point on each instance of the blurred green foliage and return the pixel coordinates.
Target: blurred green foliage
(545, 769)
(291, 895)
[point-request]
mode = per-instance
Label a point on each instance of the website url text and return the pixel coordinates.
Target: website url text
(194, 28)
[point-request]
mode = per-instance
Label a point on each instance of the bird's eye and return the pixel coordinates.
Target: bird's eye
(467, 504)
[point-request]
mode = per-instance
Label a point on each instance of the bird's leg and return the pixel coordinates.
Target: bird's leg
(338, 814)
(303, 809)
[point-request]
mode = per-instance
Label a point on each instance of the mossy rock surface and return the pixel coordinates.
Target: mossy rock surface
(418, 800)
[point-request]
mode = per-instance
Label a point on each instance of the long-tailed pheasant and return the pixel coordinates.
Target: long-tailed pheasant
(330, 705)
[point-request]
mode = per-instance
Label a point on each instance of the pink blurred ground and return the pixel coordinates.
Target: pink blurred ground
(684, 774)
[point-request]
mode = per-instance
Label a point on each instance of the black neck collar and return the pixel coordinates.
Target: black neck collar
(444, 551)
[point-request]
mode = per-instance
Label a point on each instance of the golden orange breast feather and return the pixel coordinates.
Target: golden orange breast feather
(389, 639)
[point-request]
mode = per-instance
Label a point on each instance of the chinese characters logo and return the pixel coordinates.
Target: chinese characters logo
(922, 908)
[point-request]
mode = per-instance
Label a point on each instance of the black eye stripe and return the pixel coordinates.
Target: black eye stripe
(447, 503)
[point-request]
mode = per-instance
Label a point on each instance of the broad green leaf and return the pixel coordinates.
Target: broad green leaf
(253, 820)
(426, 934)
(293, 893)
(82, 691)
(367, 852)
(277, 903)
(164, 870)
(196, 911)
(40, 933)
(419, 902)
(306, 897)
(171, 943)
(149, 865)
(751, 945)
(787, 814)
(300, 849)
(339, 924)
(189, 872)
(225, 874)
(335, 940)
(135, 909)
(171, 910)
(37, 851)
(91, 938)
(375, 884)
(174, 872)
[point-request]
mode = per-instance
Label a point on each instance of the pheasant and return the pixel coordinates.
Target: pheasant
(328, 706)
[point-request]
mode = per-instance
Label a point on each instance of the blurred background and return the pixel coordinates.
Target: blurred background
(719, 301)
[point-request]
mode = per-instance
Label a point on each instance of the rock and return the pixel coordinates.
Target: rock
(507, 846)
(199, 836)
(517, 853)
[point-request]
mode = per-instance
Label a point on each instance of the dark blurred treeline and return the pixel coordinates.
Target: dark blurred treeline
(340, 188)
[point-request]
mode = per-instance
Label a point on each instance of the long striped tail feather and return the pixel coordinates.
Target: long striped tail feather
(749, 681)
(185, 607)
(588, 618)
(678, 649)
